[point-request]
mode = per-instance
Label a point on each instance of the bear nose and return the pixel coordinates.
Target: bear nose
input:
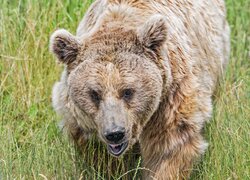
(115, 137)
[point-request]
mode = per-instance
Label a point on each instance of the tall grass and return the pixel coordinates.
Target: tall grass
(32, 147)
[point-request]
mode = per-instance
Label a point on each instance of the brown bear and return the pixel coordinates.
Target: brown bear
(143, 71)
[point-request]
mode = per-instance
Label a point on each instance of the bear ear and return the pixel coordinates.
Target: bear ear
(153, 33)
(64, 45)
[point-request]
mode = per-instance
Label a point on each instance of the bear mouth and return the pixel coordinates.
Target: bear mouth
(117, 149)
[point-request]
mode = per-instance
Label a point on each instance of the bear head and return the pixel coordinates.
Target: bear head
(116, 77)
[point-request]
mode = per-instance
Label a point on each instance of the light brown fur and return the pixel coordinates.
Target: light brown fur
(171, 53)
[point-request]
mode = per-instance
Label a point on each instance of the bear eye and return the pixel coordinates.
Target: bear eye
(95, 96)
(127, 94)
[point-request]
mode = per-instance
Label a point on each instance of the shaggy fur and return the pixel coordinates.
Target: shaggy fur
(169, 54)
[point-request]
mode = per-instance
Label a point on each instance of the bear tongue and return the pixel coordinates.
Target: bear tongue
(115, 148)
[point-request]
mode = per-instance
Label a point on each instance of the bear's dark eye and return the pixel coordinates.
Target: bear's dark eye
(95, 96)
(127, 94)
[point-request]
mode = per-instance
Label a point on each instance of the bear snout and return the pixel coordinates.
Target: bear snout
(115, 137)
(116, 140)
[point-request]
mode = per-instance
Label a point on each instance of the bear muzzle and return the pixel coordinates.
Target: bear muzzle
(116, 141)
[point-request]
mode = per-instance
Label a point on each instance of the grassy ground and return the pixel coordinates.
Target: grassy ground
(31, 146)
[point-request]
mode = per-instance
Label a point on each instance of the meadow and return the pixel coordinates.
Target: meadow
(31, 145)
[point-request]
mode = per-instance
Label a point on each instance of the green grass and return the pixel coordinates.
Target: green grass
(32, 147)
